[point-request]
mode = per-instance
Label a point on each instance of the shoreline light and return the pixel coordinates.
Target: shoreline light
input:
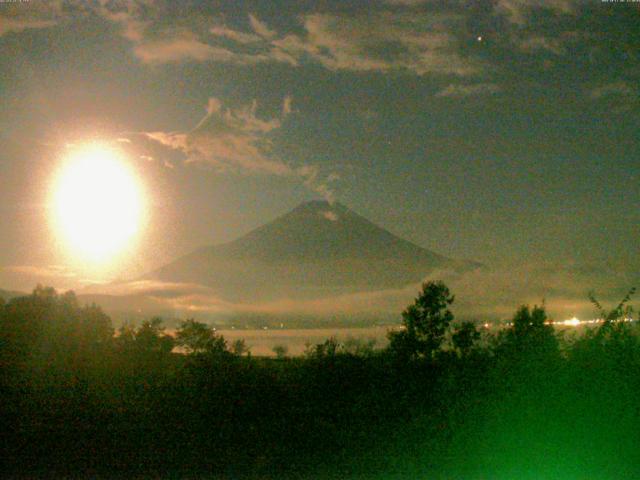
(573, 322)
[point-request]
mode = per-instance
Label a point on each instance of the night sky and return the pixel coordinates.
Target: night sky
(505, 132)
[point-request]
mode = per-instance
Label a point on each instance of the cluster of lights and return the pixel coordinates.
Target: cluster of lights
(571, 322)
(574, 322)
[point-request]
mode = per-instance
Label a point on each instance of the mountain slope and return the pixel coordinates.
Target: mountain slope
(317, 249)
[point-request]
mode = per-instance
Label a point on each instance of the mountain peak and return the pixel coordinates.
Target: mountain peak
(317, 209)
(315, 204)
(319, 205)
(314, 247)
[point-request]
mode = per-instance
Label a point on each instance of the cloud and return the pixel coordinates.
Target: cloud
(187, 298)
(261, 28)
(310, 175)
(617, 97)
(171, 44)
(234, 35)
(286, 106)
(49, 271)
(238, 141)
(407, 3)
(379, 41)
(482, 294)
(149, 287)
(460, 90)
(186, 47)
(132, 28)
(17, 25)
(613, 89)
(228, 140)
(535, 44)
(385, 41)
(394, 36)
(44, 274)
(331, 216)
(16, 17)
(519, 11)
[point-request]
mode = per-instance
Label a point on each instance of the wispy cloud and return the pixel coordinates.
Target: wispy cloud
(48, 272)
(234, 35)
(228, 140)
(314, 181)
(465, 90)
(177, 49)
(239, 141)
(519, 11)
(286, 106)
(149, 287)
(261, 28)
(614, 89)
(331, 216)
(534, 44)
(407, 3)
(488, 293)
(170, 44)
(18, 17)
(16, 25)
(380, 41)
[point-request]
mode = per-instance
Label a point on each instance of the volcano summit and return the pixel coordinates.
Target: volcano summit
(316, 250)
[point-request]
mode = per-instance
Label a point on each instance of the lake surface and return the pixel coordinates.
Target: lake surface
(262, 341)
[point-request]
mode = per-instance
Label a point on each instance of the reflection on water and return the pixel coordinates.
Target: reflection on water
(263, 341)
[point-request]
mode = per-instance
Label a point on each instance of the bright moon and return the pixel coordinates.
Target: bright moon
(97, 203)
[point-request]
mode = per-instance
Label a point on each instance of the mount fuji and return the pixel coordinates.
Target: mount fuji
(316, 250)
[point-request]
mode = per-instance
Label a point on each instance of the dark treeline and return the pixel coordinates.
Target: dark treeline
(443, 400)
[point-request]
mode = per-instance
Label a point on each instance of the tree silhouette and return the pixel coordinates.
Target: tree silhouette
(327, 349)
(150, 337)
(46, 326)
(280, 351)
(197, 337)
(239, 347)
(614, 335)
(425, 323)
(621, 311)
(530, 334)
(359, 347)
(126, 338)
(464, 338)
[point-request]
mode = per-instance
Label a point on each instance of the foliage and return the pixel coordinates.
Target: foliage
(148, 339)
(151, 338)
(464, 338)
(621, 311)
(359, 347)
(280, 351)
(45, 326)
(530, 334)
(199, 338)
(239, 347)
(328, 348)
(78, 401)
(425, 323)
(614, 337)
